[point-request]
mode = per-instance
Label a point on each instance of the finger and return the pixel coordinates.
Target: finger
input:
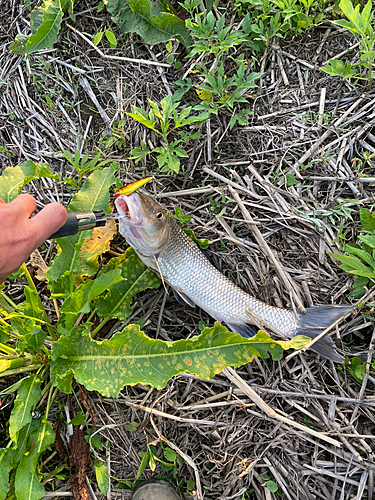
(25, 204)
(47, 222)
(2, 201)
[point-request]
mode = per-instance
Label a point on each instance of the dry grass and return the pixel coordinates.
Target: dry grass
(312, 429)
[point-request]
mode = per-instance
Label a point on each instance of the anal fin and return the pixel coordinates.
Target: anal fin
(243, 329)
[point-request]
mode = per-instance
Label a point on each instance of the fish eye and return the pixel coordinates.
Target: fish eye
(159, 215)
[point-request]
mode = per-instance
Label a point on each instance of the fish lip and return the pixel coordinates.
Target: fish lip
(128, 206)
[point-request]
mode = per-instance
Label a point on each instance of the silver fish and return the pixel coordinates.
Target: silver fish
(163, 246)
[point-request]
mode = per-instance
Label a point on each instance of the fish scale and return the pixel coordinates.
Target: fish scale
(162, 245)
(186, 268)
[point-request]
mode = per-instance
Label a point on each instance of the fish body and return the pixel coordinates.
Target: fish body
(163, 246)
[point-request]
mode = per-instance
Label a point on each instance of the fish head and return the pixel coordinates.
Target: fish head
(145, 225)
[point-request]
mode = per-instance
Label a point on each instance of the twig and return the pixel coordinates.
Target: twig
(248, 391)
(118, 58)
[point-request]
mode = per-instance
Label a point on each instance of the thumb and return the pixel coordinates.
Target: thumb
(47, 222)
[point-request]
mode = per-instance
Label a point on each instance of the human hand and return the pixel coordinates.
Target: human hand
(20, 235)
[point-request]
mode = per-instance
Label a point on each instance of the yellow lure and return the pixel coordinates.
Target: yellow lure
(133, 186)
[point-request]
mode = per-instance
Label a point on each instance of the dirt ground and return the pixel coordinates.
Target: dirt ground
(302, 422)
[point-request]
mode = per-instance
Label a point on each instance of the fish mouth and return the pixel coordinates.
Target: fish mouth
(129, 208)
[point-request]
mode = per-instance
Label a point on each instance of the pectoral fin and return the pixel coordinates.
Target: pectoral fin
(182, 298)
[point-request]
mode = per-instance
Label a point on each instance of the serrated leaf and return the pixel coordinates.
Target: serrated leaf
(27, 485)
(154, 21)
(101, 474)
(94, 195)
(13, 179)
(130, 357)
(28, 395)
(46, 33)
(136, 278)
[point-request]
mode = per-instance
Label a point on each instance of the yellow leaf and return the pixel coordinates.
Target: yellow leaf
(96, 245)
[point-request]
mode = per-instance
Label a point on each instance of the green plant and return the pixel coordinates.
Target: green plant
(163, 120)
(357, 368)
(222, 92)
(359, 24)
(212, 38)
(270, 483)
(360, 260)
(283, 17)
(49, 353)
(83, 166)
(154, 21)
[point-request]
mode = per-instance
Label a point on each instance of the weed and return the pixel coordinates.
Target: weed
(359, 24)
(46, 352)
(163, 120)
(283, 17)
(360, 259)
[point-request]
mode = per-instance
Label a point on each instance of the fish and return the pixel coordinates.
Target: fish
(162, 245)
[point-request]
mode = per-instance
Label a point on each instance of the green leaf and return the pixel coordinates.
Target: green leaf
(169, 454)
(98, 38)
(202, 242)
(13, 179)
(154, 21)
(78, 419)
(368, 239)
(79, 300)
(5, 467)
(130, 357)
(46, 34)
(136, 277)
(272, 486)
(94, 195)
(28, 395)
(101, 474)
(27, 485)
(367, 220)
(111, 38)
(362, 254)
(353, 265)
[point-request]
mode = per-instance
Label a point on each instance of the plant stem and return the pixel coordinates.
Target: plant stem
(23, 369)
(51, 397)
(8, 350)
(100, 326)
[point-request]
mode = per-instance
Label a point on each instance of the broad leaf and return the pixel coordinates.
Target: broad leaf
(101, 474)
(367, 220)
(96, 245)
(27, 485)
(154, 21)
(47, 20)
(136, 278)
(130, 357)
(80, 300)
(13, 179)
(28, 395)
(94, 195)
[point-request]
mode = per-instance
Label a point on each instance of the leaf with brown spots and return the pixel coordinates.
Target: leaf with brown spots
(130, 357)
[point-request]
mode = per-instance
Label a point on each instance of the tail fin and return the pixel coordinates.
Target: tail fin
(314, 321)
